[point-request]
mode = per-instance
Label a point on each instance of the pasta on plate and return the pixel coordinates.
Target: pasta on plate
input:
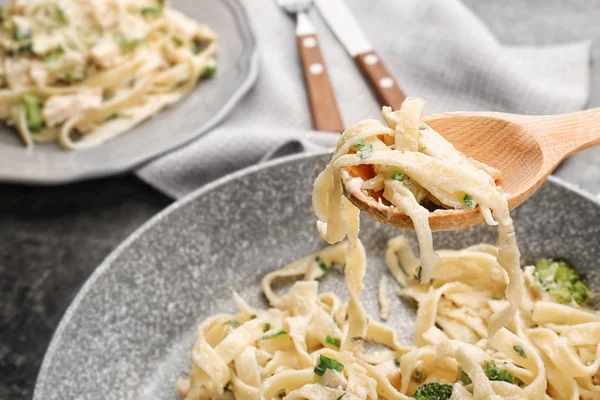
(485, 329)
(81, 72)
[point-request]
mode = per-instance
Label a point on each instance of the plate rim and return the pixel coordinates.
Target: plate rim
(194, 195)
(251, 53)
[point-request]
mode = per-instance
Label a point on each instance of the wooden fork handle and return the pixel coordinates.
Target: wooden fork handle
(325, 113)
(383, 83)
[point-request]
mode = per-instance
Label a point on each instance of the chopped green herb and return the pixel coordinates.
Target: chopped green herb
(463, 377)
(322, 265)
(327, 363)
(333, 341)
(267, 327)
(71, 77)
(33, 112)
(341, 396)
(364, 150)
(253, 316)
(129, 44)
(209, 70)
(274, 335)
(232, 323)
(468, 200)
(433, 391)
(397, 361)
(57, 15)
(70, 43)
(114, 116)
(398, 176)
(54, 55)
(419, 274)
(422, 127)
(519, 350)
(177, 42)
(152, 11)
(423, 149)
(419, 375)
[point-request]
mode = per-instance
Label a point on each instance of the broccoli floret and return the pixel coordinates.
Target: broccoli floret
(433, 391)
(562, 282)
(495, 373)
(33, 112)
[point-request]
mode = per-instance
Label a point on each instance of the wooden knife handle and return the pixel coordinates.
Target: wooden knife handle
(382, 82)
(325, 113)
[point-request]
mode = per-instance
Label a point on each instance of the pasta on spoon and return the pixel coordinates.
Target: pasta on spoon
(410, 167)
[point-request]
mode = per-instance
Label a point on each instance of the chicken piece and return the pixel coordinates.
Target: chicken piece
(46, 42)
(187, 26)
(59, 109)
(7, 44)
(133, 27)
(106, 54)
(105, 13)
(69, 64)
(17, 72)
(39, 73)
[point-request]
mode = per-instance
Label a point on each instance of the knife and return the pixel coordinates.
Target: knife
(346, 29)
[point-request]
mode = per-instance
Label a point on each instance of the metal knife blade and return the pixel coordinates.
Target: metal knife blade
(344, 26)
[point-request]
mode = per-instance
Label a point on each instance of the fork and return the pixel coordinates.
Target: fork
(324, 109)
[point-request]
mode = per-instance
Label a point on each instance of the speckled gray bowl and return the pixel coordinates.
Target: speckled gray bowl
(210, 102)
(129, 332)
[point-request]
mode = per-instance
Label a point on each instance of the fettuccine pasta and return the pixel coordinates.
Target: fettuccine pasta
(81, 72)
(548, 351)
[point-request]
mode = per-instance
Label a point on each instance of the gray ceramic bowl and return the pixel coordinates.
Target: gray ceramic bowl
(172, 128)
(129, 332)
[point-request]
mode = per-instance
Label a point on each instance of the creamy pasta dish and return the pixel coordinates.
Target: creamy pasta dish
(485, 327)
(81, 72)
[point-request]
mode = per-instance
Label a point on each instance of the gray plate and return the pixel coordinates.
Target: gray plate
(129, 332)
(172, 128)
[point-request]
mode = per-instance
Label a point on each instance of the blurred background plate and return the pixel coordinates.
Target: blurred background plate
(173, 127)
(129, 332)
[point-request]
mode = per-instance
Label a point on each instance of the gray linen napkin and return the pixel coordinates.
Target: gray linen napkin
(437, 49)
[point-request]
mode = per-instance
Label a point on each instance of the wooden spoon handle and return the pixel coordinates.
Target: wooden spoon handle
(383, 83)
(325, 113)
(562, 135)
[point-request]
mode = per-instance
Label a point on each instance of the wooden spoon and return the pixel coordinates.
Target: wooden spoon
(526, 149)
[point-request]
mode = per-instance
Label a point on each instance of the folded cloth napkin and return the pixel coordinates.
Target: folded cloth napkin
(437, 49)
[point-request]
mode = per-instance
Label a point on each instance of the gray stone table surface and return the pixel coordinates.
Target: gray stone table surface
(51, 239)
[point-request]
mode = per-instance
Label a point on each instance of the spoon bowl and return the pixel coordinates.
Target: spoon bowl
(526, 149)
